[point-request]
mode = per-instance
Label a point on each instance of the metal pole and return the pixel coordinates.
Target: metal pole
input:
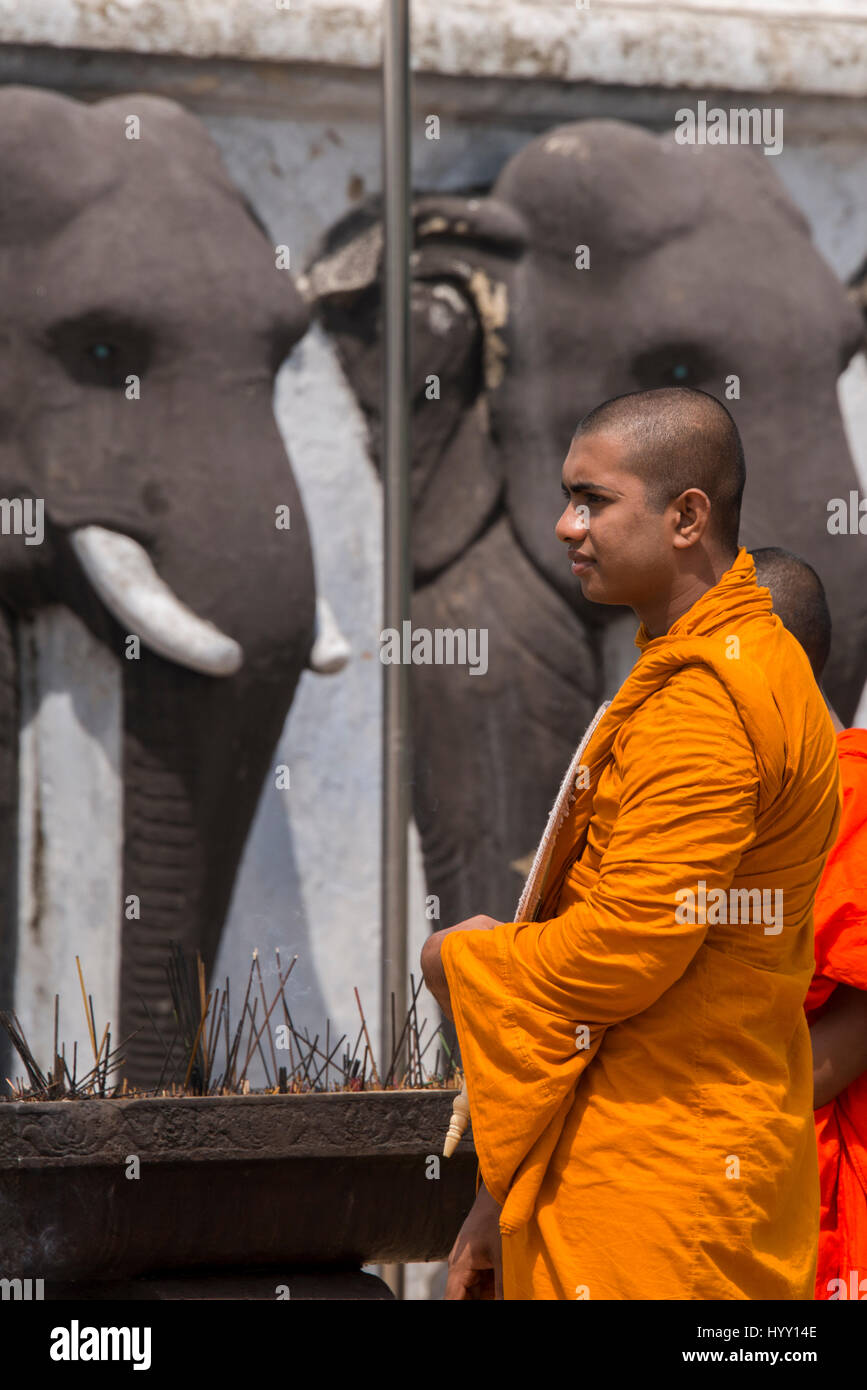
(395, 479)
(396, 749)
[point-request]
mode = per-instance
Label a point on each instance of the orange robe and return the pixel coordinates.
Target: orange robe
(671, 1154)
(841, 958)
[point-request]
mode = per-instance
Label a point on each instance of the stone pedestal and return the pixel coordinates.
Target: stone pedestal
(228, 1197)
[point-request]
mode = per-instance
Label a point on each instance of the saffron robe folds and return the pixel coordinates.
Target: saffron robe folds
(671, 1154)
(841, 958)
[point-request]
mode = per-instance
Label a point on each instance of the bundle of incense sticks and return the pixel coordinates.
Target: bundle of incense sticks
(207, 1057)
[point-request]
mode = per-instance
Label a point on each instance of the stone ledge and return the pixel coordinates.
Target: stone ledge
(64, 1134)
(316, 92)
(808, 46)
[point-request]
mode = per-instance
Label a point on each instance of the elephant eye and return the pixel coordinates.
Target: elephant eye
(101, 349)
(673, 364)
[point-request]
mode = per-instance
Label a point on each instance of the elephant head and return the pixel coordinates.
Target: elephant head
(143, 320)
(603, 260)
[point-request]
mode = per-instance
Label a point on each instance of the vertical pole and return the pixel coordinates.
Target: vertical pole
(396, 750)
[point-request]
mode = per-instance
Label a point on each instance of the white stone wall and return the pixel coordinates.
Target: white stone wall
(768, 45)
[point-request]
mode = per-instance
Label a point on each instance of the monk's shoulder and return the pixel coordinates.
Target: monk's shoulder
(781, 673)
(691, 712)
(692, 691)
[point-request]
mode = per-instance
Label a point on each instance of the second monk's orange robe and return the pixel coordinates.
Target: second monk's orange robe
(641, 1086)
(841, 958)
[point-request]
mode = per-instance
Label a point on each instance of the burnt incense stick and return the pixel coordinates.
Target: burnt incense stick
(267, 1010)
(268, 1014)
(196, 1044)
(167, 1063)
(326, 1064)
(366, 1036)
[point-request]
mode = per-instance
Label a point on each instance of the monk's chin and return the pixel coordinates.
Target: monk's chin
(592, 587)
(597, 592)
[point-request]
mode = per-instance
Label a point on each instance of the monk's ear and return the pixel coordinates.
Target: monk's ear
(693, 503)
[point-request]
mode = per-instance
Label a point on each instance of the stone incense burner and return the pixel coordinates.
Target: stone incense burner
(266, 1184)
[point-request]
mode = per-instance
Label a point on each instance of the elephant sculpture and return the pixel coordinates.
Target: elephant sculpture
(143, 320)
(604, 259)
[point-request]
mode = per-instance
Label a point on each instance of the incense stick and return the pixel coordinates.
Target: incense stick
(203, 1018)
(87, 1016)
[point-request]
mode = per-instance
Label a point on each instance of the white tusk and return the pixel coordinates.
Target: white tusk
(121, 572)
(330, 651)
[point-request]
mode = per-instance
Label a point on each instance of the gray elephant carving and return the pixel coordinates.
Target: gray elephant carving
(143, 320)
(696, 268)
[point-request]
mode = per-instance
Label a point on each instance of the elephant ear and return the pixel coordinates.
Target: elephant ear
(44, 182)
(465, 250)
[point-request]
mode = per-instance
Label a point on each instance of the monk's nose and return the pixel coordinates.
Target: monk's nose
(571, 526)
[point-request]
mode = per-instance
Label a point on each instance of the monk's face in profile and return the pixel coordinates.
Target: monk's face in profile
(620, 548)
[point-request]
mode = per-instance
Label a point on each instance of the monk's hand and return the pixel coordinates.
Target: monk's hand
(431, 959)
(476, 1261)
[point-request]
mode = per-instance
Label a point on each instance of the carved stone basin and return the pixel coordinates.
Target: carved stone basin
(277, 1181)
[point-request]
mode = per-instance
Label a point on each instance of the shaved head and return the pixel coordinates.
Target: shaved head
(799, 601)
(678, 438)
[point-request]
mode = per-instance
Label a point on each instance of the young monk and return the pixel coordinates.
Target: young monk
(637, 1060)
(837, 1000)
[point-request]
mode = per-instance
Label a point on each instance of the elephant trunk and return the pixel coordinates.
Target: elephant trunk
(196, 753)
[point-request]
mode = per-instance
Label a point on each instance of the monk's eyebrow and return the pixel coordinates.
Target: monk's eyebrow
(570, 489)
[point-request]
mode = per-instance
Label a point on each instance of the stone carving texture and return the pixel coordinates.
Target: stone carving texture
(604, 259)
